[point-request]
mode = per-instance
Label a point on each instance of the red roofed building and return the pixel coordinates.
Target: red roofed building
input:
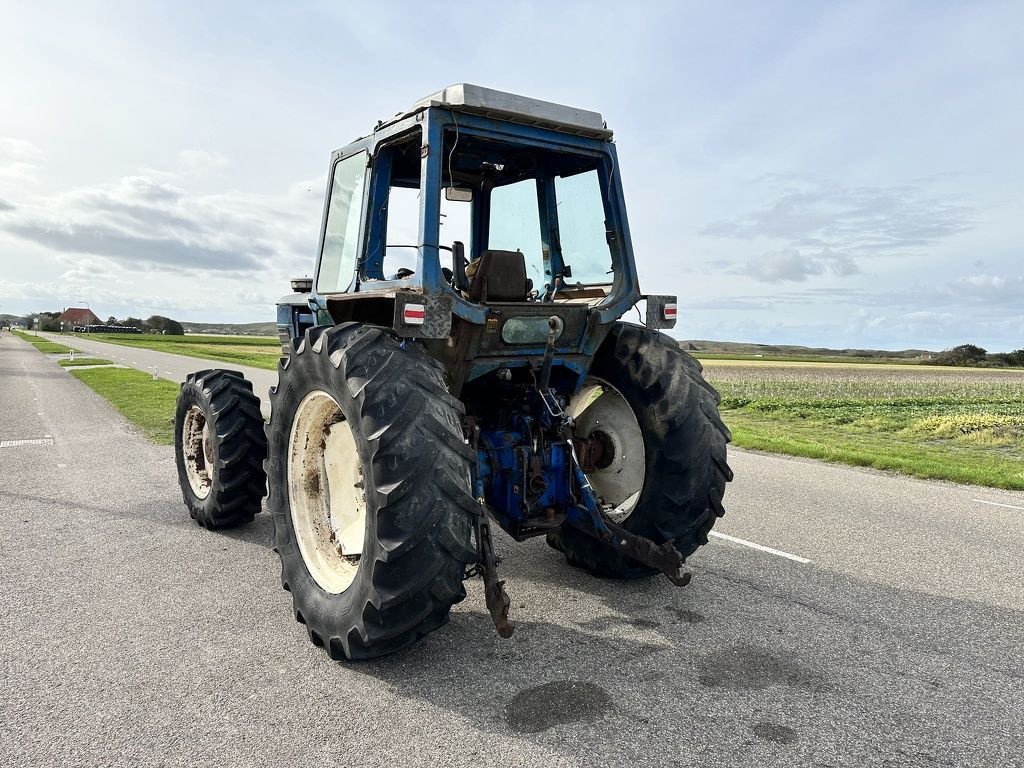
(78, 316)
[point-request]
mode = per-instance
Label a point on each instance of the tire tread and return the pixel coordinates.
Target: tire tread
(420, 494)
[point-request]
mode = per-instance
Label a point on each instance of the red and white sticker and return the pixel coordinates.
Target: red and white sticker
(668, 311)
(416, 314)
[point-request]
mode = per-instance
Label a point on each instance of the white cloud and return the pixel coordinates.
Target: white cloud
(990, 289)
(12, 149)
(20, 162)
(776, 266)
(795, 264)
(145, 223)
(145, 243)
(826, 227)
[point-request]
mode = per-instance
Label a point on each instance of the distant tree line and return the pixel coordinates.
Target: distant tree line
(155, 324)
(973, 356)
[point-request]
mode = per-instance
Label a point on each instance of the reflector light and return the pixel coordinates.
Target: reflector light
(414, 314)
(668, 312)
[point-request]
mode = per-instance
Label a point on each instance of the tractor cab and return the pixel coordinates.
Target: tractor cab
(469, 222)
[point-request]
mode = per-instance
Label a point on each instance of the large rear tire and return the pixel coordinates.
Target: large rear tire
(665, 467)
(369, 480)
(219, 447)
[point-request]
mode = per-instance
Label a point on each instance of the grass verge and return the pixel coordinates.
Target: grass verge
(961, 425)
(258, 352)
(83, 361)
(988, 461)
(146, 403)
(43, 345)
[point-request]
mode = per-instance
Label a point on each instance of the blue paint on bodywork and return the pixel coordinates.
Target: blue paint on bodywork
(515, 485)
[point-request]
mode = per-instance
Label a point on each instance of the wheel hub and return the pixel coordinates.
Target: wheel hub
(197, 449)
(326, 492)
(616, 459)
(595, 452)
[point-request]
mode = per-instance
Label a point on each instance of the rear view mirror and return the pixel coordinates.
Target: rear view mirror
(458, 194)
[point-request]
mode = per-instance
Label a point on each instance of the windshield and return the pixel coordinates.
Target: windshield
(582, 230)
(550, 204)
(515, 225)
(577, 225)
(547, 203)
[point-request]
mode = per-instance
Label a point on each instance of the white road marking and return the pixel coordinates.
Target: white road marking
(168, 373)
(997, 504)
(761, 547)
(30, 441)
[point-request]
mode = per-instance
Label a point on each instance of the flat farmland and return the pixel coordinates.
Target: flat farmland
(960, 424)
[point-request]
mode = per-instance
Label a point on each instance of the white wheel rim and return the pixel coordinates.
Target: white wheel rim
(600, 408)
(197, 450)
(325, 492)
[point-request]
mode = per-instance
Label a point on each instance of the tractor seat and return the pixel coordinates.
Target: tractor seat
(498, 276)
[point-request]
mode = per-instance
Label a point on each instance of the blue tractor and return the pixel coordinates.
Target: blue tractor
(458, 358)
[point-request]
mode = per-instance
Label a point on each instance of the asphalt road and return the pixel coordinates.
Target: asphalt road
(130, 636)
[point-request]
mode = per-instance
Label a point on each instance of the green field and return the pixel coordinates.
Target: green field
(146, 403)
(259, 351)
(959, 424)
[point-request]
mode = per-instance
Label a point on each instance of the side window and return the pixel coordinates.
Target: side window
(456, 224)
(338, 259)
(403, 231)
(581, 228)
(515, 225)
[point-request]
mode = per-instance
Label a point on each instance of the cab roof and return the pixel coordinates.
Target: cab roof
(475, 99)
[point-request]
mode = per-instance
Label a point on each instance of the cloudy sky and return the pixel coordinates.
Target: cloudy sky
(842, 174)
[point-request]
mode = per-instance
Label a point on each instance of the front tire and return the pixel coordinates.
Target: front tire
(369, 487)
(665, 466)
(219, 448)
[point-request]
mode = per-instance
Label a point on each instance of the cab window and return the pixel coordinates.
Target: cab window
(341, 239)
(515, 225)
(582, 231)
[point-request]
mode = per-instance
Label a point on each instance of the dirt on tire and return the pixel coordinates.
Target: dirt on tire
(416, 469)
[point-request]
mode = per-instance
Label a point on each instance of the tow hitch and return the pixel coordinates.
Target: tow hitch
(589, 519)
